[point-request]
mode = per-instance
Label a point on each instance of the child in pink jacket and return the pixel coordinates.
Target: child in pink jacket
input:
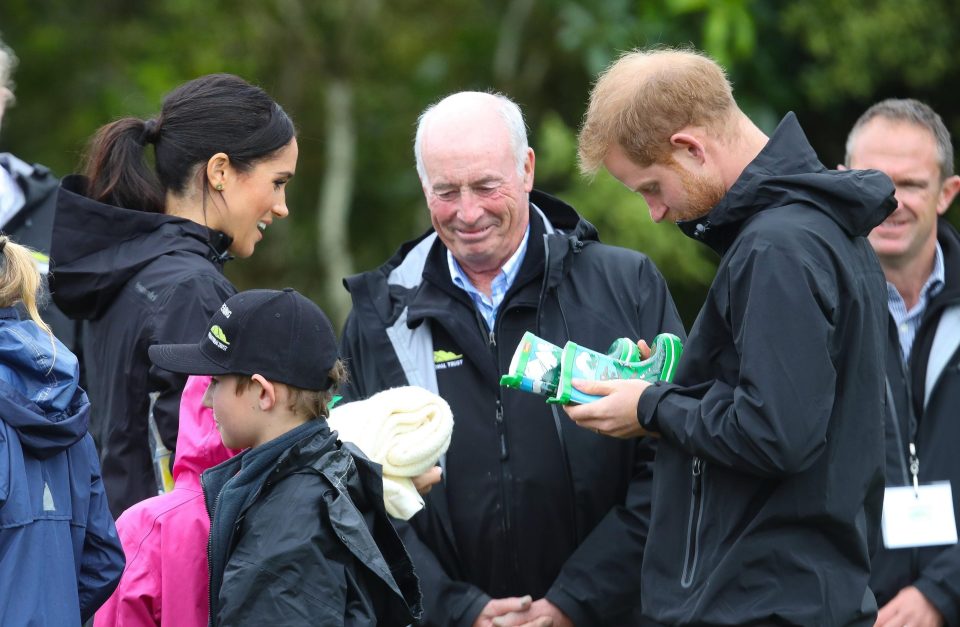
(165, 537)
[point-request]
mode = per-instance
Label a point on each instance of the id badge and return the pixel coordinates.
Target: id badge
(923, 517)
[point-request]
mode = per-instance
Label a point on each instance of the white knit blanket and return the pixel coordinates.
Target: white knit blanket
(405, 430)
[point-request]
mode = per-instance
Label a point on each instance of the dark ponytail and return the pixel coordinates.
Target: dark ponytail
(210, 114)
(117, 170)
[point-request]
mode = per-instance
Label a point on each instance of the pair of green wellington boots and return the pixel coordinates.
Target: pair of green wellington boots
(544, 368)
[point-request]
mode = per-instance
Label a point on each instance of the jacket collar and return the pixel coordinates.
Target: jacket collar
(949, 240)
(98, 248)
(788, 172)
(556, 229)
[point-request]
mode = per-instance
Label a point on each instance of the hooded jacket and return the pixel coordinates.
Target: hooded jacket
(530, 502)
(165, 537)
(138, 279)
(926, 404)
(769, 471)
(299, 536)
(32, 226)
(60, 557)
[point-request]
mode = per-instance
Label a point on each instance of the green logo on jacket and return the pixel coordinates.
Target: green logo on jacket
(442, 357)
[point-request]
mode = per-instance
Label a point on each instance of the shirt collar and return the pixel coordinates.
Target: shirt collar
(933, 285)
(508, 273)
(937, 279)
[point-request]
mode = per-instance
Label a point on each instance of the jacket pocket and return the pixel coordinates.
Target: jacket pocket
(691, 554)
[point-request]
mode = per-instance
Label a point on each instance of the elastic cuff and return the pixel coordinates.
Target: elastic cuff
(469, 615)
(943, 601)
(575, 611)
(647, 405)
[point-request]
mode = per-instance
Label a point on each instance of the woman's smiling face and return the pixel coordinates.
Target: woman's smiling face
(254, 199)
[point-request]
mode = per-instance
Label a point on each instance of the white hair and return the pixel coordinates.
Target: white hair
(8, 61)
(508, 110)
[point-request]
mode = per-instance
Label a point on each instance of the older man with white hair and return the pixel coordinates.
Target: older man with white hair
(536, 522)
(27, 199)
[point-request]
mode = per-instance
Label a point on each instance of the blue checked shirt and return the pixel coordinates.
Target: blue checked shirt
(908, 322)
(488, 305)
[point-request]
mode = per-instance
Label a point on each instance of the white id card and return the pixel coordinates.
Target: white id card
(924, 518)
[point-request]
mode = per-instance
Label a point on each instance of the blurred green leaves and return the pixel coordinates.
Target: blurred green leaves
(858, 46)
(84, 64)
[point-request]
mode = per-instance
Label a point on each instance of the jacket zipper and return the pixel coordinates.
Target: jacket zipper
(501, 432)
(211, 618)
(505, 477)
(557, 420)
(498, 417)
(693, 524)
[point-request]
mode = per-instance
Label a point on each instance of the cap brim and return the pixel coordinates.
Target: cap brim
(184, 359)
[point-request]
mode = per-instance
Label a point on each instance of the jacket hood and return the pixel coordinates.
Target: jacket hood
(787, 171)
(199, 445)
(39, 395)
(96, 248)
(563, 217)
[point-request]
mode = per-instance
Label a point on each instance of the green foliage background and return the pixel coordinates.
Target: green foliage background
(354, 74)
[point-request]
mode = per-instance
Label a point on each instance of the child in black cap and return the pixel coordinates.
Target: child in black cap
(299, 535)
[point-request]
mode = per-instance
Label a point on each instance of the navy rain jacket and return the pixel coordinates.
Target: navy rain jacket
(60, 557)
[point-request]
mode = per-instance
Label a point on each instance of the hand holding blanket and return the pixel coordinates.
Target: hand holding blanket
(405, 430)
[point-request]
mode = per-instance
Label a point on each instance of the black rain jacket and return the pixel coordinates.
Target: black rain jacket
(927, 412)
(138, 279)
(530, 502)
(32, 225)
(769, 476)
(299, 536)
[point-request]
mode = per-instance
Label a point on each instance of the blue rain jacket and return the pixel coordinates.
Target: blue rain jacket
(60, 557)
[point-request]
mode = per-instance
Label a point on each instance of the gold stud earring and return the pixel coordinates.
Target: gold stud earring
(219, 187)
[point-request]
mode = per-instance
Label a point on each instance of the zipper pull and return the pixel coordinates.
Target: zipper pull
(492, 339)
(915, 470)
(502, 432)
(697, 471)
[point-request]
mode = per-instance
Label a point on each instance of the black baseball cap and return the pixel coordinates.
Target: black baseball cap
(279, 334)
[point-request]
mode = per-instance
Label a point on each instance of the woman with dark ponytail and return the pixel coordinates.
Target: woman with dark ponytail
(138, 253)
(60, 557)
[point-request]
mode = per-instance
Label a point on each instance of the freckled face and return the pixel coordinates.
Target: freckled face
(670, 190)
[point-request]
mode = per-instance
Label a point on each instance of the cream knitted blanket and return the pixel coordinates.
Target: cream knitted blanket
(405, 430)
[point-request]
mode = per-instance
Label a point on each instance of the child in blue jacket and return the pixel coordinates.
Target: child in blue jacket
(60, 557)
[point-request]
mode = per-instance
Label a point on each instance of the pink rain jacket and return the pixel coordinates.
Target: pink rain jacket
(165, 537)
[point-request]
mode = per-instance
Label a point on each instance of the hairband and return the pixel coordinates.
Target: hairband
(150, 133)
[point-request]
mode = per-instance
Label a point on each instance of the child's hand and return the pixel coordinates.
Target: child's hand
(423, 483)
